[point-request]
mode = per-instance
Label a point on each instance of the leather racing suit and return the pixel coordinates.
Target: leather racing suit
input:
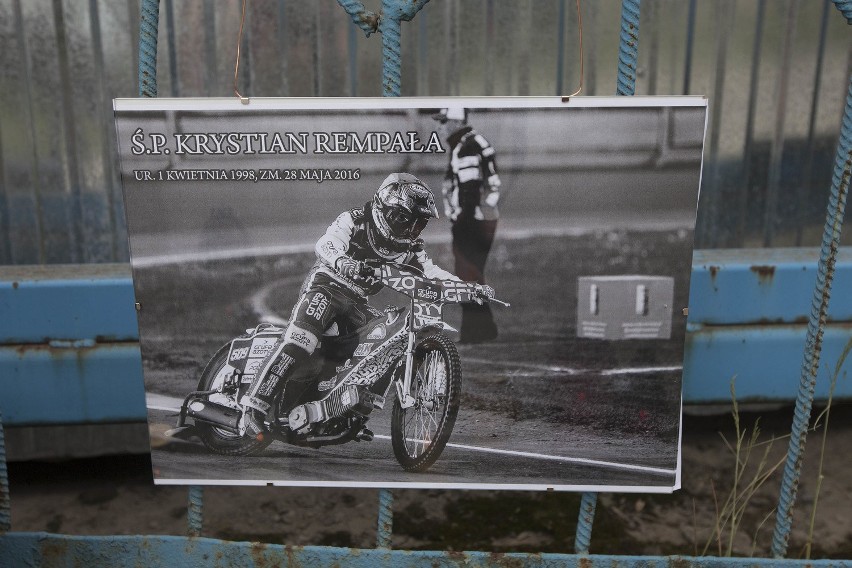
(328, 296)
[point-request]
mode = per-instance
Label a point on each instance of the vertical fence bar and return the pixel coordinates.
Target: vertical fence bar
(391, 56)
(385, 524)
(583, 538)
(150, 18)
(394, 12)
(845, 7)
(195, 510)
(690, 40)
(754, 78)
(628, 47)
(628, 50)
(816, 327)
(777, 149)
(560, 48)
(804, 186)
(5, 502)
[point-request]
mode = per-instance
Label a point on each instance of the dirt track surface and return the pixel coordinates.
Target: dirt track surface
(536, 389)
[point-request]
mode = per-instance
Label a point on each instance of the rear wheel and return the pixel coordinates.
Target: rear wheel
(420, 433)
(216, 439)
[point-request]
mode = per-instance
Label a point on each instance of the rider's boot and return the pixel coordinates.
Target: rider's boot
(265, 388)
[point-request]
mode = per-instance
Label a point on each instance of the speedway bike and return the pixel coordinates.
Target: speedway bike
(405, 352)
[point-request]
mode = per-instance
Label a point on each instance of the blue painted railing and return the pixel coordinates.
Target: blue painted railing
(39, 548)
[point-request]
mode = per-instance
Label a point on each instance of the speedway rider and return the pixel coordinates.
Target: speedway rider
(385, 229)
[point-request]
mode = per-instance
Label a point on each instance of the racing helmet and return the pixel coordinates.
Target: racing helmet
(401, 209)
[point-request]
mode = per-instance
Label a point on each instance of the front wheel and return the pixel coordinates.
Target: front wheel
(216, 439)
(420, 433)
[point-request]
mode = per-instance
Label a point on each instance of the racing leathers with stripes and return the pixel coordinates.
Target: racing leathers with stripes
(330, 296)
(471, 192)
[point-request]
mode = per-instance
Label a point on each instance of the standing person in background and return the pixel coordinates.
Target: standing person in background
(471, 191)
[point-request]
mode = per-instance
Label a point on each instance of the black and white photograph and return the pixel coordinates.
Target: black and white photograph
(435, 292)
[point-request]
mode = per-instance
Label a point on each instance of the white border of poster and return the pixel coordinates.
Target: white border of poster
(242, 219)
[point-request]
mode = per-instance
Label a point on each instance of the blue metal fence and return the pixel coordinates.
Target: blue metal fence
(43, 549)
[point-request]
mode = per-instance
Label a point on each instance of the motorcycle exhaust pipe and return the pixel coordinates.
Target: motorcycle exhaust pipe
(213, 413)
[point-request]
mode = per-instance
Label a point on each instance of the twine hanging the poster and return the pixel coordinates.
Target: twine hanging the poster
(580, 29)
(244, 100)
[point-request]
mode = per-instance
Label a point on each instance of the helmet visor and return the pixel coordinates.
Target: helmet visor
(404, 223)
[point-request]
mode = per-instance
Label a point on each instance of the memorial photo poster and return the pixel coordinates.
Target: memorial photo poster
(435, 293)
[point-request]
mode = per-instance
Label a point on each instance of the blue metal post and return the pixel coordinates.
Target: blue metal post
(391, 57)
(628, 48)
(195, 510)
(5, 504)
(584, 526)
(394, 12)
(385, 529)
(845, 7)
(150, 18)
(816, 325)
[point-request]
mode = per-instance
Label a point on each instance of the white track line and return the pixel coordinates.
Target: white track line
(574, 370)
(260, 305)
(170, 404)
(554, 458)
(226, 254)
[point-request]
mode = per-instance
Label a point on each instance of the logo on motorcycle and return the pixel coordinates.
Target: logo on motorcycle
(316, 307)
(343, 367)
(240, 353)
(363, 349)
(392, 317)
(378, 333)
(283, 364)
(267, 386)
(252, 365)
(326, 385)
(262, 346)
(427, 294)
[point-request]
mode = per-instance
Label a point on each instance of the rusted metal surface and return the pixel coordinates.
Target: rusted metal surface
(79, 383)
(365, 19)
(41, 549)
(761, 286)
(66, 302)
(586, 519)
(764, 358)
(195, 510)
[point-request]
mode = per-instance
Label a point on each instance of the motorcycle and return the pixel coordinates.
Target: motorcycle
(350, 375)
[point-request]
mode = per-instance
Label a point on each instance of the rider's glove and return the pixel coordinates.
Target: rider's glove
(485, 291)
(350, 268)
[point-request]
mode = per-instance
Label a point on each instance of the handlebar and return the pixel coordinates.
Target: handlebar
(375, 271)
